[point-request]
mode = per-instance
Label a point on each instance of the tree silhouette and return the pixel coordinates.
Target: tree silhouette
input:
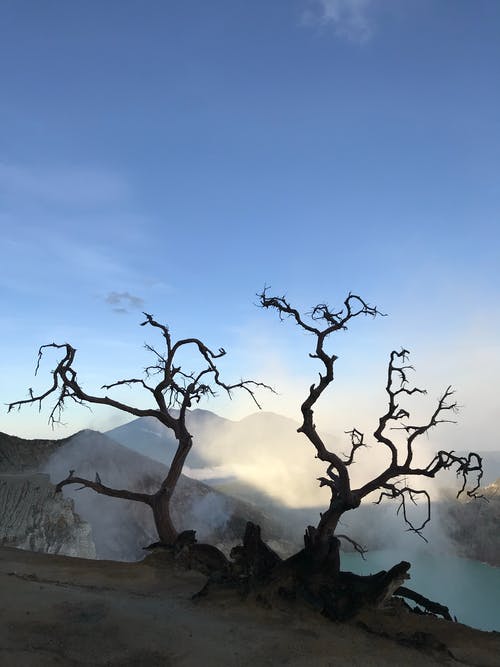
(398, 480)
(173, 392)
(313, 573)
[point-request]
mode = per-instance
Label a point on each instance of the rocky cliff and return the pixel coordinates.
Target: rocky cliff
(474, 525)
(34, 517)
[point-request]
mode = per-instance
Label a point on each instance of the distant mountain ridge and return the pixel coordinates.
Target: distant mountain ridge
(151, 438)
(263, 451)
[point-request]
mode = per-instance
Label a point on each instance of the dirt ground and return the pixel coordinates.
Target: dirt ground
(68, 611)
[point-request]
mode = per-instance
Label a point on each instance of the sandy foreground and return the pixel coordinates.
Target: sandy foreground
(69, 611)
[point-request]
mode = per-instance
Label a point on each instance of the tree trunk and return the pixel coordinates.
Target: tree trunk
(161, 500)
(322, 551)
(320, 542)
(163, 521)
(312, 575)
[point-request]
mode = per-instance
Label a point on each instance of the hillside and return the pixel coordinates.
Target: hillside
(120, 528)
(19, 455)
(149, 437)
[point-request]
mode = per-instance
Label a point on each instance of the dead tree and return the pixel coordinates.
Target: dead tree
(398, 480)
(173, 391)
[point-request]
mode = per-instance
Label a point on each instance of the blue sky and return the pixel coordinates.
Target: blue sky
(174, 157)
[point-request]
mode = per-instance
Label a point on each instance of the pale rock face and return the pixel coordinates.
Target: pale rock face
(35, 518)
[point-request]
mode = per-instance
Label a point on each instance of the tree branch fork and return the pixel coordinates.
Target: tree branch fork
(173, 390)
(392, 483)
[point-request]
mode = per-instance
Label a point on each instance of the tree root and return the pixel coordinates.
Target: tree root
(254, 568)
(429, 606)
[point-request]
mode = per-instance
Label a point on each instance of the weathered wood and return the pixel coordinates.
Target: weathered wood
(254, 560)
(341, 596)
(428, 605)
(312, 575)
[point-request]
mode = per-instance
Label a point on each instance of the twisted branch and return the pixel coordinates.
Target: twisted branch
(174, 392)
(101, 488)
(357, 547)
(357, 441)
(326, 321)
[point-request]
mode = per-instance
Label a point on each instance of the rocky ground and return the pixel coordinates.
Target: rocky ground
(70, 612)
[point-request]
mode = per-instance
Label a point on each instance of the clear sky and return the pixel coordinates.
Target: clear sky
(175, 156)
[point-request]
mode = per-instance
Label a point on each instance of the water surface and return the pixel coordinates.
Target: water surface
(470, 589)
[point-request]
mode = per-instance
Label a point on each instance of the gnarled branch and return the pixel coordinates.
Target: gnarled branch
(323, 322)
(174, 392)
(361, 550)
(404, 494)
(357, 441)
(101, 488)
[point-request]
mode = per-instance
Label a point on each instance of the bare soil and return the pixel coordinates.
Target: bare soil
(66, 611)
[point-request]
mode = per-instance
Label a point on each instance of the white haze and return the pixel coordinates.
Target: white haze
(265, 451)
(122, 527)
(281, 462)
(269, 455)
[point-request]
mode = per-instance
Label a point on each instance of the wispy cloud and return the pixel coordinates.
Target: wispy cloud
(57, 185)
(124, 300)
(351, 19)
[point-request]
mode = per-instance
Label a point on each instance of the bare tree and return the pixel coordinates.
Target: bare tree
(173, 391)
(398, 481)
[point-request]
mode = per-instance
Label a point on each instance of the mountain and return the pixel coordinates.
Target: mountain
(262, 460)
(250, 469)
(148, 436)
(120, 528)
(262, 451)
(210, 432)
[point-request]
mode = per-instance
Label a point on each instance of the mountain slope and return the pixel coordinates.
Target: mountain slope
(148, 436)
(19, 455)
(120, 528)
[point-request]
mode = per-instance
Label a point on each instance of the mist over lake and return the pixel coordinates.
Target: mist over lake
(468, 588)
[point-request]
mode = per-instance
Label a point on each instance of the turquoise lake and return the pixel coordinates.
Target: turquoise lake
(470, 589)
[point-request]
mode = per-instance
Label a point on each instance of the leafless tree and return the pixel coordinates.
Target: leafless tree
(398, 481)
(173, 393)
